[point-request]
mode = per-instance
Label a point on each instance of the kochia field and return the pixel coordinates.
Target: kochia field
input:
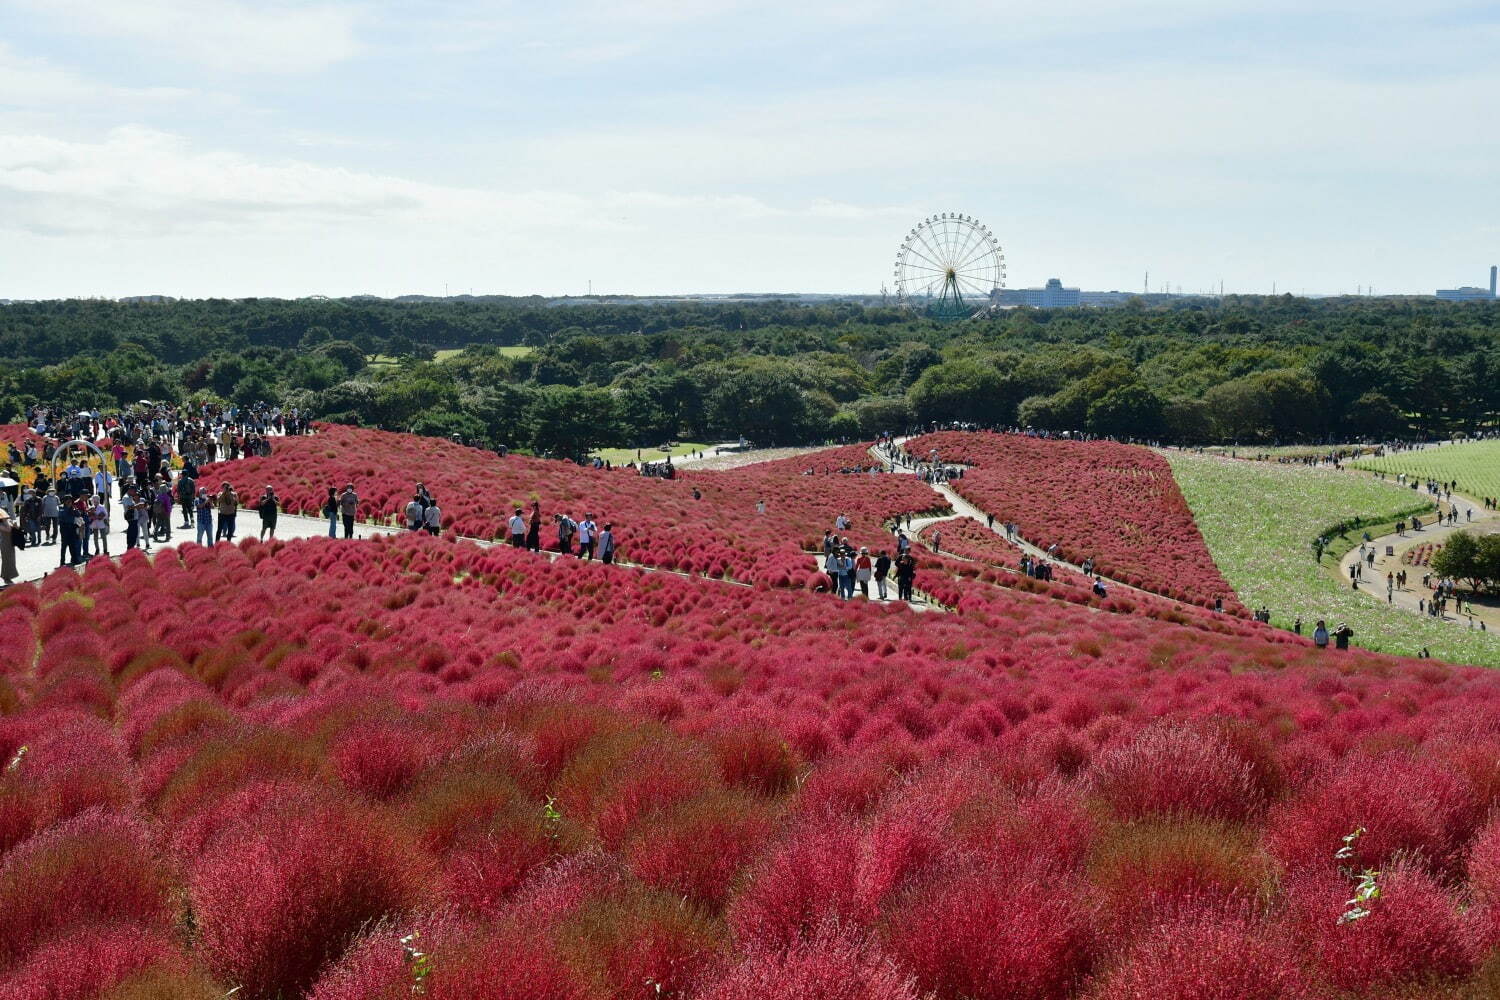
(415, 766)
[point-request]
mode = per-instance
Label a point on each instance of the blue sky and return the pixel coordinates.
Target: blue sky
(223, 147)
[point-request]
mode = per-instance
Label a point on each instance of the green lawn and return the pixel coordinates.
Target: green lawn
(1475, 465)
(1259, 520)
(447, 353)
(620, 456)
(517, 351)
(1281, 451)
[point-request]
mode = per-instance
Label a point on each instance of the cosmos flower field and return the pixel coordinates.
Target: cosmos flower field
(417, 766)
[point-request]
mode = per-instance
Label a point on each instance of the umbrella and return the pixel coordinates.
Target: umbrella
(145, 402)
(6, 481)
(85, 413)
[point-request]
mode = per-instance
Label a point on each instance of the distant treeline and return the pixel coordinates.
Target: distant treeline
(1246, 370)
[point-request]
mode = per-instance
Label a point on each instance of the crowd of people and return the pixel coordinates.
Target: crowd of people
(849, 568)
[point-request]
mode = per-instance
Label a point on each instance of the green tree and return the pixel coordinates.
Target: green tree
(1469, 557)
(1127, 411)
(964, 389)
(760, 405)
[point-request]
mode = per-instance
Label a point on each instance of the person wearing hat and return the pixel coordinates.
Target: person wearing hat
(8, 571)
(1342, 635)
(864, 569)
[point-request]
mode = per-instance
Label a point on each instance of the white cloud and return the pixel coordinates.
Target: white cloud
(140, 182)
(30, 82)
(282, 36)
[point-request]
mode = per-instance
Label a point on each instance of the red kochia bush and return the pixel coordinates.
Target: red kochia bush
(1412, 934)
(1220, 956)
(96, 868)
(84, 962)
(1176, 771)
(1404, 804)
(801, 886)
(1115, 503)
(829, 967)
(283, 892)
(987, 934)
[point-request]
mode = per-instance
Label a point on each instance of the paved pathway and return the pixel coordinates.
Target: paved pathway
(36, 563)
(1373, 583)
(962, 508)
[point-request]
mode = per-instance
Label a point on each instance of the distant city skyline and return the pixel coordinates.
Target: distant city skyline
(198, 148)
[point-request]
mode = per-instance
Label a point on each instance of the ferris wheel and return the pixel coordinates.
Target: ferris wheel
(949, 264)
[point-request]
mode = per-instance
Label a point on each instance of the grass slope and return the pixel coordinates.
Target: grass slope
(620, 456)
(1475, 466)
(1259, 520)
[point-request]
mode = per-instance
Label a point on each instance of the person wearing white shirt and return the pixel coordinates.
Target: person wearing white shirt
(414, 514)
(518, 530)
(99, 525)
(586, 531)
(433, 517)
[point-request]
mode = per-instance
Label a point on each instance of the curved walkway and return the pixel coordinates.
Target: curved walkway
(963, 508)
(1413, 596)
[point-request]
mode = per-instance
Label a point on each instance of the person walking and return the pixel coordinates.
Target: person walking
(607, 543)
(99, 525)
(586, 530)
(864, 569)
(187, 492)
(228, 503)
(432, 517)
(127, 511)
(1342, 635)
(8, 571)
(1320, 634)
(331, 511)
(882, 570)
(142, 511)
(534, 528)
(415, 509)
(348, 507)
(67, 533)
(517, 530)
(268, 507)
(164, 510)
(906, 572)
(846, 574)
(51, 505)
(203, 507)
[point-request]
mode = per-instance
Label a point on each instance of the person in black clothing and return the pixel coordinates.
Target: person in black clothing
(534, 528)
(882, 570)
(906, 571)
(1342, 635)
